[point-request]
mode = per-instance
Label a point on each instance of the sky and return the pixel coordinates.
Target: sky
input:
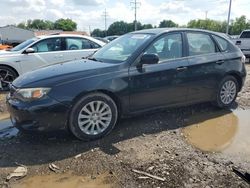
(89, 13)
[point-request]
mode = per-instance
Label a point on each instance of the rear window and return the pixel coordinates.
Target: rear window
(245, 34)
(221, 42)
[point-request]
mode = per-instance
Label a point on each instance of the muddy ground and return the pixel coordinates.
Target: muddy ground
(158, 143)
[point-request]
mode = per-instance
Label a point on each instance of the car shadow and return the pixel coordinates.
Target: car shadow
(35, 149)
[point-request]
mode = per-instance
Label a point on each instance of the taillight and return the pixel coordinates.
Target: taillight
(243, 59)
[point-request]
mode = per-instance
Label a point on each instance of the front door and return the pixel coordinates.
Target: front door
(47, 52)
(161, 84)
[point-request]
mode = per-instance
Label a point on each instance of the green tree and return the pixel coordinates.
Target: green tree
(65, 25)
(239, 25)
(147, 26)
(21, 25)
(119, 28)
(98, 33)
(167, 23)
(208, 24)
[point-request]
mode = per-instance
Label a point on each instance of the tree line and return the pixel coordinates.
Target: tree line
(60, 24)
(120, 27)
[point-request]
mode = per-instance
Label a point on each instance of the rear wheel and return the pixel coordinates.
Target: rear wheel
(7, 75)
(227, 92)
(93, 116)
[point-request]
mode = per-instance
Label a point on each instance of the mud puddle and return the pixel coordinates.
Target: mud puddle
(222, 131)
(6, 128)
(66, 181)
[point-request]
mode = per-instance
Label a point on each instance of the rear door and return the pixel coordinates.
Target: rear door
(78, 48)
(164, 83)
(205, 65)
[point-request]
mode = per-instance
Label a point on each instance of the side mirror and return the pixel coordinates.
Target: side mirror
(29, 51)
(149, 59)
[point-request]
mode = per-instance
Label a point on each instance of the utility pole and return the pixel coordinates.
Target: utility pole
(89, 30)
(105, 15)
(228, 17)
(206, 14)
(135, 5)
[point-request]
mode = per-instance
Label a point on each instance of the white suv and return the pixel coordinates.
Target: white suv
(42, 51)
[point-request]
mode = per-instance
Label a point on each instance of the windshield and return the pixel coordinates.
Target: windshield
(122, 48)
(24, 44)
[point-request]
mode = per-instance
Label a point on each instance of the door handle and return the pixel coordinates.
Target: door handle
(181, 69)
(220, 62)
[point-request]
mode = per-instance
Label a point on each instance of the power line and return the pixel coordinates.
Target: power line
(135, 5)
(105, 15)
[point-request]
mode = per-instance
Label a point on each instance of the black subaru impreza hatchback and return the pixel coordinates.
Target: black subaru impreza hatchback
(137, 72)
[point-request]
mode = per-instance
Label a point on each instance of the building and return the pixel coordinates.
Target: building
(14, 35)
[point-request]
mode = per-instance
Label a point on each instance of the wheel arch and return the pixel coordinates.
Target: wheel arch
(10, 67)
(237, 77)
(112, 95)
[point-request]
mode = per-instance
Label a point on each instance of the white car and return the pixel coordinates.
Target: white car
(44, 50)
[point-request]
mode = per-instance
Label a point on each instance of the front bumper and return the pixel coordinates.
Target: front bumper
(45, 114)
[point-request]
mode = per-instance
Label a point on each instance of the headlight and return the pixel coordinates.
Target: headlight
(29, 94)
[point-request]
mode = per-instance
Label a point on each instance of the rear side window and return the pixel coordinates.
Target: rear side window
(80, 43)
(245, 34)
(200, 43)
(222, 43)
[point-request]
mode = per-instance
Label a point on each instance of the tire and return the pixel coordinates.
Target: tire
(84, 121)
(225, 99)
(7, 75)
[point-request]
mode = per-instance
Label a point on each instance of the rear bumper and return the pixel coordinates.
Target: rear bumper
(43, 115)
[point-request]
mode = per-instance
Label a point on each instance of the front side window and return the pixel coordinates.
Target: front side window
(48, 45)
(200, 43)
(167, 47)
(79, 44)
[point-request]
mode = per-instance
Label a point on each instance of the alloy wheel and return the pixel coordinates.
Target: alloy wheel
(6, 77)
(228, 92)
(94, 117)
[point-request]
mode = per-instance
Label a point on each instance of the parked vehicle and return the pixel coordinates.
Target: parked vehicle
(243, 42)
(102, 39)
(4, 46)
(140, 71)
(44, 50)
(110, 38)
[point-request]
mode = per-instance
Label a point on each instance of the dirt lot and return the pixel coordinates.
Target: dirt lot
(163, 144)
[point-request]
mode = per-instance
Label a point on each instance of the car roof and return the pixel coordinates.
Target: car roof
(157, 31)
(70, 35)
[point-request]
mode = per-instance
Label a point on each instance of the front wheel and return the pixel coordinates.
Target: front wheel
(7, 75)
(93, 116)
(227, 92)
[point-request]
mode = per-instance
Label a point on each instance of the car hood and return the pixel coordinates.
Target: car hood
(63, 72)
(4, 54)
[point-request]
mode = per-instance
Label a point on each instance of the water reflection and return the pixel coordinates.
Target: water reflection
(220, 131)
(65, 180)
